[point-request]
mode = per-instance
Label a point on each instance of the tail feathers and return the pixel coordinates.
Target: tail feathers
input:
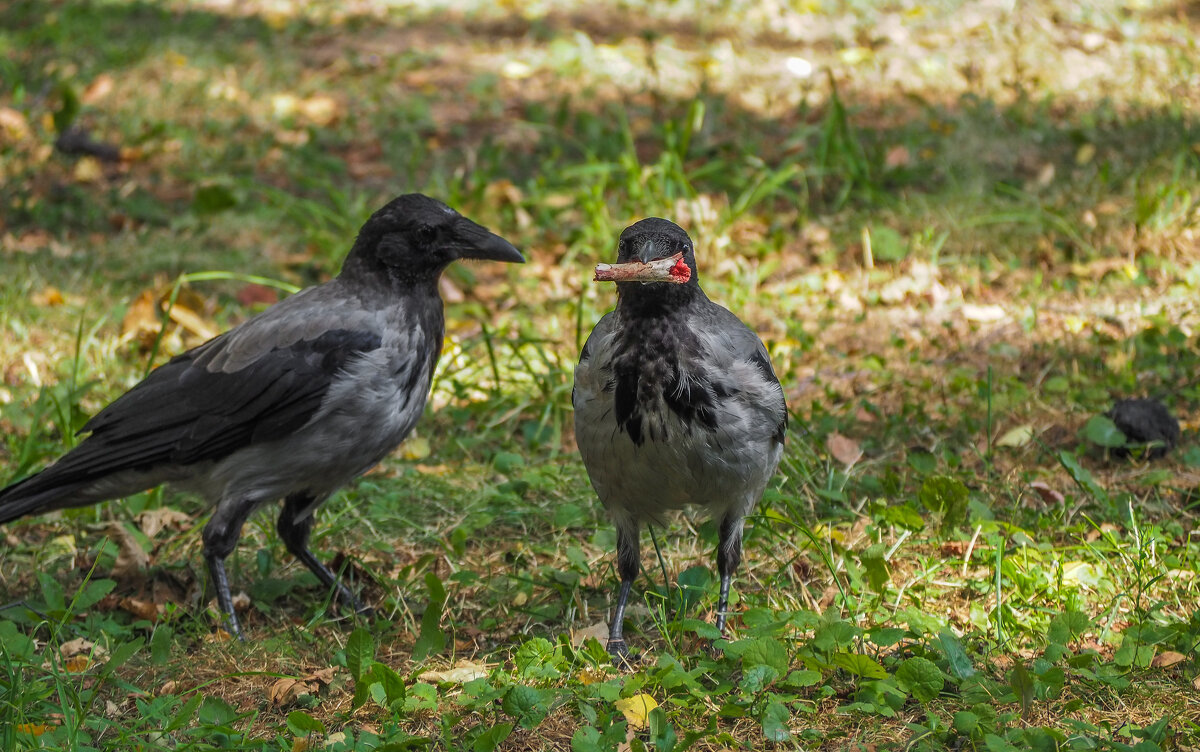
(40, 493)
(90, 473)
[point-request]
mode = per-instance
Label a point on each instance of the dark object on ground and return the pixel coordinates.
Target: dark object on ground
(292, 404)
(676, 403)
(1146, 423)
(77, 142)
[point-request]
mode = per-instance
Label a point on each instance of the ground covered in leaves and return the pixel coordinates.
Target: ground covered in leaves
(964, 229)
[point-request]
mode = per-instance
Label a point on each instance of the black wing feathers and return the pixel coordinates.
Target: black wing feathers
(183, 413)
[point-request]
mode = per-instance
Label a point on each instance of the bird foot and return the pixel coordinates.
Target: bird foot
(714, 650)
(620, 654)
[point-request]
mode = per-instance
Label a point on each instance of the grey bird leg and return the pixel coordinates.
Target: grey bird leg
(729, 555)
(628, 564)
(220, 538)
(294, 534)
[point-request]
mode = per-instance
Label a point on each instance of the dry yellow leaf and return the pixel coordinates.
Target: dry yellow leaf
(287, 690)
(320, 110)
(153, 521)
(13, 125)
(142, 609)
(141, 320)
(588, 676)
(462, 673)
(100, 87)
(597, 631)
(637, 709)
(191, 321)
(1016, 437)
(416, 448)
(87, 170)
(1167, 658)
(48, 297)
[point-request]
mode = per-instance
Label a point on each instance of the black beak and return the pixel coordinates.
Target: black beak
(472, 241)
(648, 252)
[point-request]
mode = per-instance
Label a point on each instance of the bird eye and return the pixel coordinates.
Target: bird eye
(425, 235)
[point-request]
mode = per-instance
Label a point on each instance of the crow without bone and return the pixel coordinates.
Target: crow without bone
(291, 404)
(676, 403)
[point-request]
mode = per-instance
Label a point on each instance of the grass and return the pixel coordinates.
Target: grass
(962, 237)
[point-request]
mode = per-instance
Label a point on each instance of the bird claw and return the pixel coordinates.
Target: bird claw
(620, 654)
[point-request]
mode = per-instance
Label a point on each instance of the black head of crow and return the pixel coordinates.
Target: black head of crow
(291, 404)
(676, 403)
(414, 238)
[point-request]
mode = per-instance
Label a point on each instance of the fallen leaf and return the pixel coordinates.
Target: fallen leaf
(588, 676)
(320, 110)
(100, 87)
(139, 608)
(168, 688)
(323, 676)
(1016, 437)
(87, 170)
(844, 450)
(287, 690)
(983, 314)
(48, 297)
(598, 631)
(1080, 573)
(131, 557)
(27, 242)
(14, 126)
(1048, 494)
(1046, 174)
(637, 709)
(516, 70)
(1167, 658)
(153, 521)
(416, 448)
(897, 156)
(78, 646)
(191, 321)
(141, 322)
(463, 672)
